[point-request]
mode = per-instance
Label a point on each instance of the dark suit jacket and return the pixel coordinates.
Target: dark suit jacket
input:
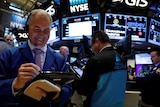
(11, 60)
(107, 61)
(150, 88)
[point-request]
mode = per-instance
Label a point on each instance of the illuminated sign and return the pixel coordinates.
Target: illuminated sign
(137, 3)
(78, 5)
(50, 10)
(23, 35)
(17, 22)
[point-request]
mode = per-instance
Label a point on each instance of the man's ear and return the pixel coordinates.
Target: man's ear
(97, 41)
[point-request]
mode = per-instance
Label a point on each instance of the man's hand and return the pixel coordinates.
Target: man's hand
(158, 71)
(44, 93)
(26, 72)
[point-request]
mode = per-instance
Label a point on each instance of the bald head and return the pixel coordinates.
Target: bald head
(64, 50)
(39, 12)
(9, 39)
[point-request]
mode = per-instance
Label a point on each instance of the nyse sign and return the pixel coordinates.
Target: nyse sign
(79, 8)
(137, 3)
(16, 25)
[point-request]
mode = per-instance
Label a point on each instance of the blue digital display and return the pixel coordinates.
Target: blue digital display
(77, 2)
(78, 6)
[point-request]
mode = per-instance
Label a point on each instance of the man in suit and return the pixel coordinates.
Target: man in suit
(9, 39)
(149, 84)
(18, 68)
(104, 76)
(64, 51)
(3, 44)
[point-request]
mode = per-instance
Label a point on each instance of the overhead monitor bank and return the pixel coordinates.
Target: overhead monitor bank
(55, 32)
(154, 32)
(118, 26)
(77, 26)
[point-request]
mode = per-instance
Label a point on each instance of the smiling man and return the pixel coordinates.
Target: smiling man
(18, 66)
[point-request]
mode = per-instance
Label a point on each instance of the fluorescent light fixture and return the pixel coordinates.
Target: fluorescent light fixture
(15, 9)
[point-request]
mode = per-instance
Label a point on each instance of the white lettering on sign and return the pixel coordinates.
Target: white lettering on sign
(22, 35)
(16, 25)
(50, 10)
(79, 8)
(137, 3)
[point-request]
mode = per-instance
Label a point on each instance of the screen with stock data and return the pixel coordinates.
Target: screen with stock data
(117, 26)
(154, 32)
(54, 33)
(76, 26)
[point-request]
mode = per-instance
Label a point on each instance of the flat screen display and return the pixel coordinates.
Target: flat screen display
(154, 32)
(117, 26)
(54, 33)
(77, 26)
(143, 64)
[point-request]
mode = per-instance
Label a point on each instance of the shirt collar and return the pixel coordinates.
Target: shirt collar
(105, 47)
(157, 64)
(44, 49)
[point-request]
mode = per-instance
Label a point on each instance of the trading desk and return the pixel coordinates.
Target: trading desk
(132, 86)
(132, 94)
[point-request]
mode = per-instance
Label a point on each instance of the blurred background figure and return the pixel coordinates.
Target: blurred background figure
(9, 39)
(64, 50)
(130, 71)
(3, 43)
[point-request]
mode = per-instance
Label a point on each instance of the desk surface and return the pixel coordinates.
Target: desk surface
(132, 92)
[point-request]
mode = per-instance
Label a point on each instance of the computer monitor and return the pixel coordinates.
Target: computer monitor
(117, 26)
(143, 64)
(124, 46)
(131, 62)
(154, 32)
(54, 33)
(72, 59)
(78, 26)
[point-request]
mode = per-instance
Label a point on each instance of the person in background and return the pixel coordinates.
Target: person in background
(9, 39)
(64, 51)
(104, 75)
(149, 84)
(18, 68)
(3, 43)
(130, 71)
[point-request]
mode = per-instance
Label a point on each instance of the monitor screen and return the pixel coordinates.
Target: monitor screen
(54, 33)
(117, 26)
(143, 64)
(77, 26)
(72, 59)
(131, 62)
(154, 32)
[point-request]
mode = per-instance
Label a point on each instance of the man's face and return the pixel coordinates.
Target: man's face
(154, 57)
(39, 30)
(9, 39)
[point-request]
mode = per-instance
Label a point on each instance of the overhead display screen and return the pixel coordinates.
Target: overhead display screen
(117, 26)
(154, 32)
(77, 26)
(54, 33)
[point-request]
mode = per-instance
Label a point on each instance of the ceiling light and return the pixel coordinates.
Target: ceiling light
(15, 9)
